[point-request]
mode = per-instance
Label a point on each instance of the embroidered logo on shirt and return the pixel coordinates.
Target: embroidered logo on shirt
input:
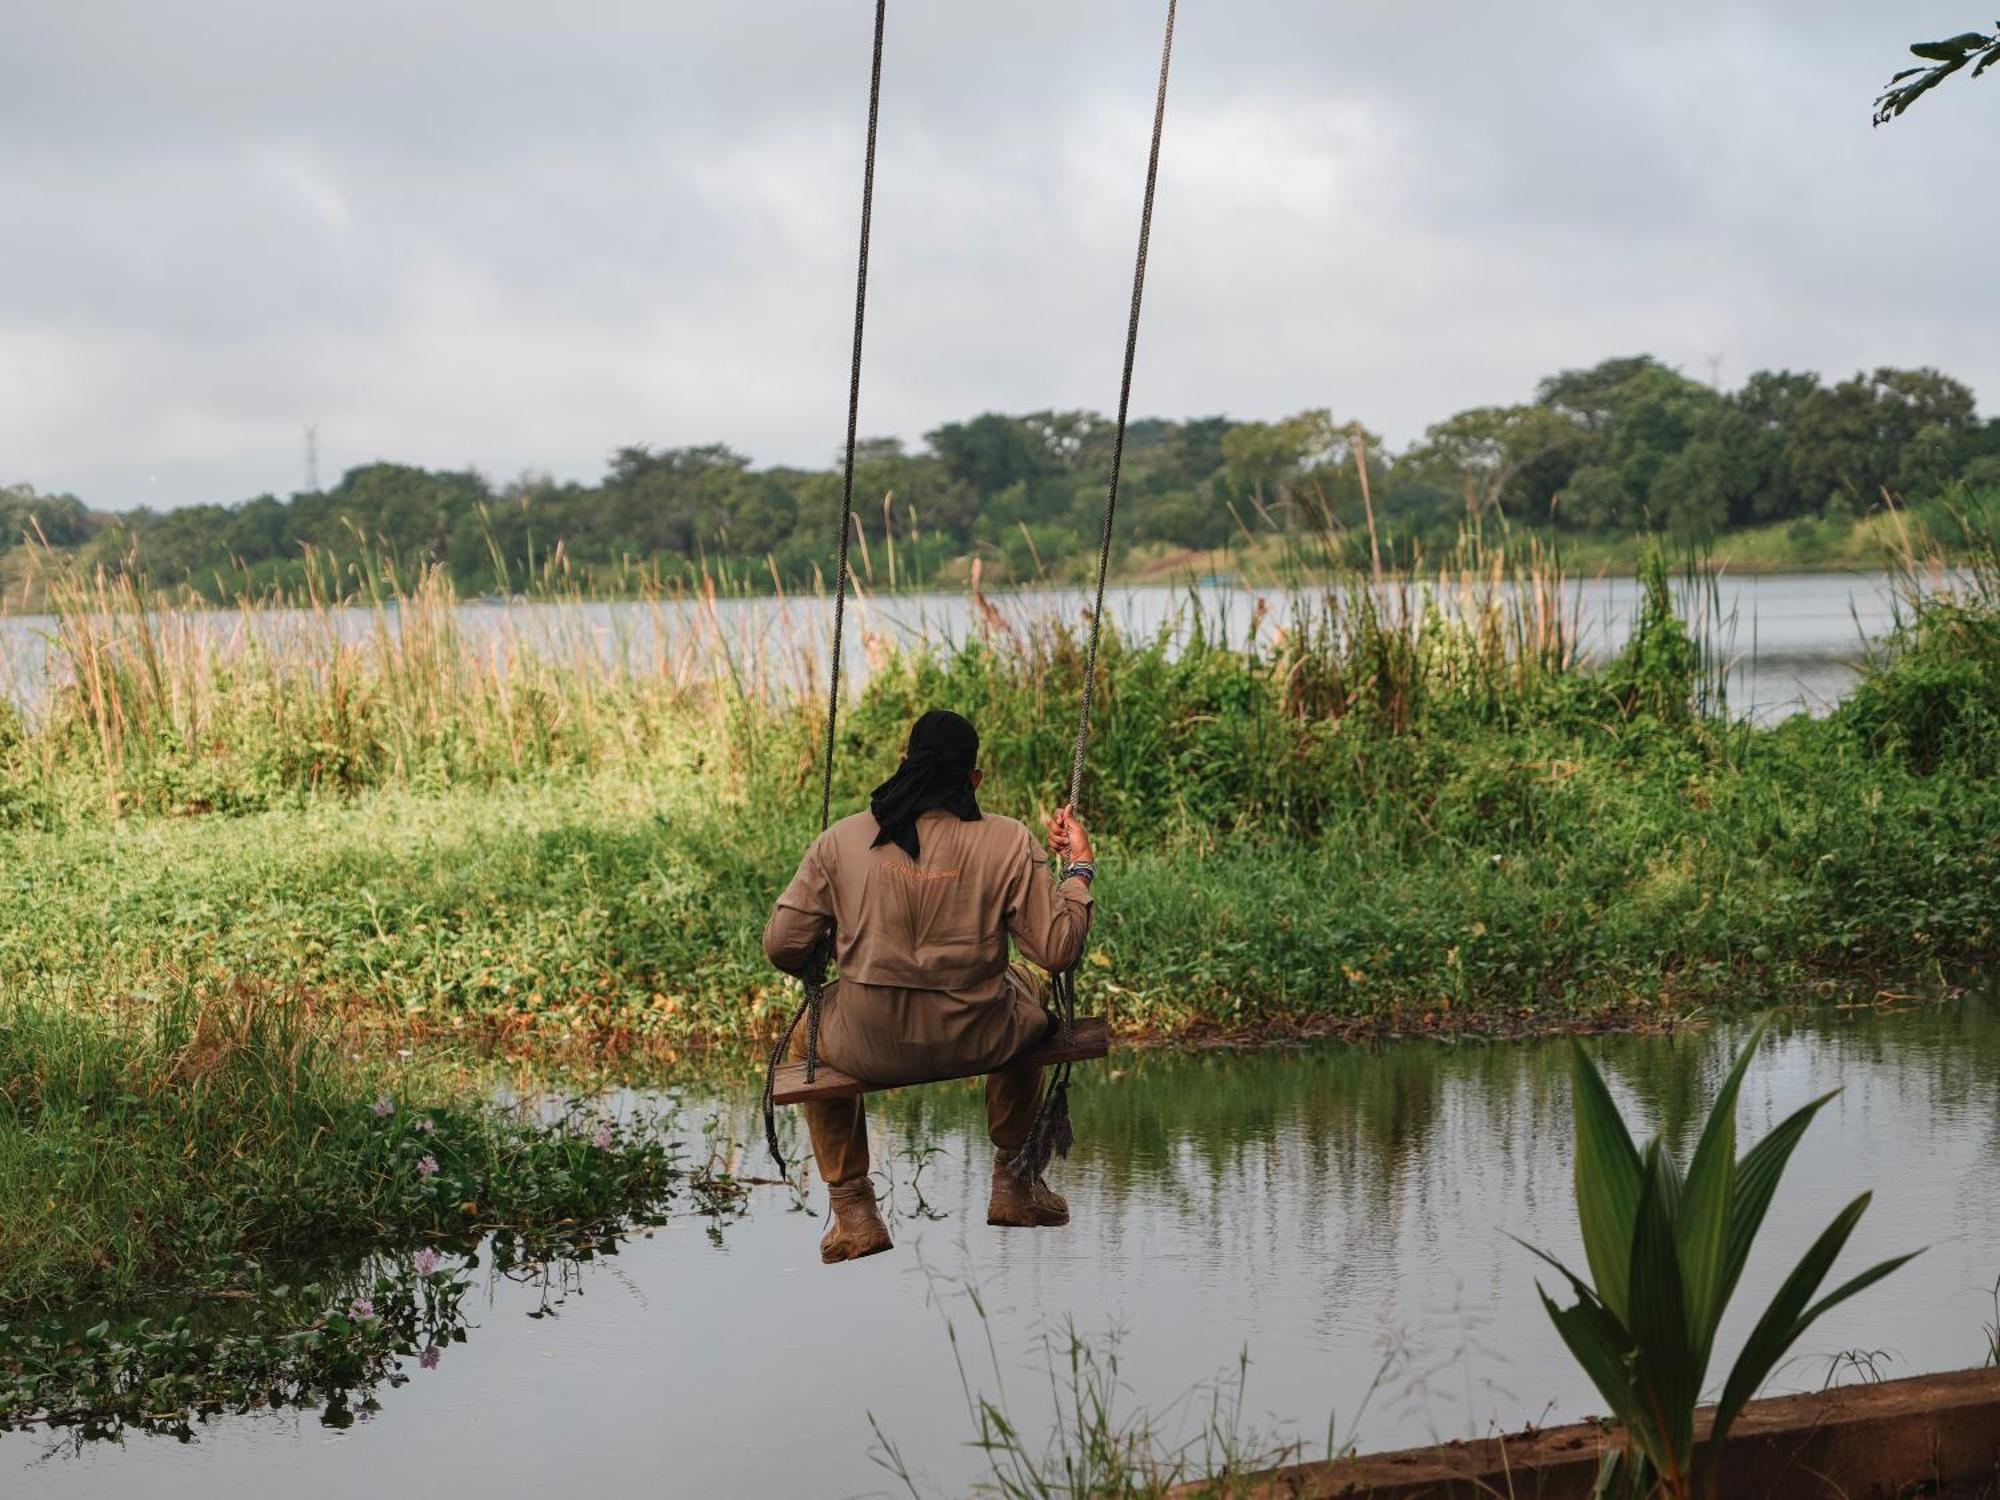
(911, 872)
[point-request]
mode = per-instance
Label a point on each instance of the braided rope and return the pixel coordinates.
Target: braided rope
(814, 978)
(1124, 411)
(853, 417)
(815, 981)
(1051, 1134)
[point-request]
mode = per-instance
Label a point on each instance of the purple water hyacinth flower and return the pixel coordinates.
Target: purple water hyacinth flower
(602, 1140)
(427, 1166)
(361, 1307)
(384, 1107)
(431, 1355)
(425, 1261)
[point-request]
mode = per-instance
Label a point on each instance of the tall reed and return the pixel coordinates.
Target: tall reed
(384, 681)
(365, 676)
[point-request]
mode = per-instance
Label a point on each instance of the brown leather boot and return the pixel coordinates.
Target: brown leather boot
(1019, 1205)
(857, 1229)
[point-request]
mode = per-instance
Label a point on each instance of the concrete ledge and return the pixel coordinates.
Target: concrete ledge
(1860, 1442)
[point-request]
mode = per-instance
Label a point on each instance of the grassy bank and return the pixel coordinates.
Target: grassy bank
(1418, 810)
(1833, 543)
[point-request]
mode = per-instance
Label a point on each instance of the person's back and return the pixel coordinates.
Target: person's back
(926, 989)
(920, 895)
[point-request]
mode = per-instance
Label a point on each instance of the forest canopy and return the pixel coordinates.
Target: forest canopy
(1625, 445)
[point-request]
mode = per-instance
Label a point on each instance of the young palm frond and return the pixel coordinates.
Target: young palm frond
(1666, 1251)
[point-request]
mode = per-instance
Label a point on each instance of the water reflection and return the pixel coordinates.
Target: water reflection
(331, 1336)
(1329, 1207)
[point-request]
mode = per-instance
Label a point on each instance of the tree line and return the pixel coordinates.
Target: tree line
(1627, 444)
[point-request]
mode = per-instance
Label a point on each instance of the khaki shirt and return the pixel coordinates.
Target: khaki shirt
(925, 986)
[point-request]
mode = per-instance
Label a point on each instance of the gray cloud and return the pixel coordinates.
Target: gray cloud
(516, 235)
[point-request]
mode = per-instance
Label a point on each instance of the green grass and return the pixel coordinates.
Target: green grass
(1396, 813)
(1562, 870)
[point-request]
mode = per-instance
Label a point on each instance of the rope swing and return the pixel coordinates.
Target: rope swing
(1051, 1132)
(814, 978)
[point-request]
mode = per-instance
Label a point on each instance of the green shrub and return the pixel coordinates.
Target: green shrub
(1933, 698)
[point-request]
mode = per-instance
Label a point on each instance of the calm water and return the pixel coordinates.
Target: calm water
(1793, 639)
(1327, 1207)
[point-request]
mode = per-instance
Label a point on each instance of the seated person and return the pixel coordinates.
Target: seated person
(921, 894)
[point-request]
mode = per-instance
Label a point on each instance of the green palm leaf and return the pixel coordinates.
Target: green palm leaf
(1600, 1347)
(1706, 1208)
(1788, 1316)
(1757, 1177)
(1667, 1377)
(1607, 1182)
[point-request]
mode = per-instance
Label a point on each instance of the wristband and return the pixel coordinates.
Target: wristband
(1084, 868)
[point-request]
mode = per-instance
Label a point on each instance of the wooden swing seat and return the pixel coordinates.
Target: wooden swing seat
(1091, 1039)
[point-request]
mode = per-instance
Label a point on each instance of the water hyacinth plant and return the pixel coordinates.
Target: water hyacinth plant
(1666, 1251)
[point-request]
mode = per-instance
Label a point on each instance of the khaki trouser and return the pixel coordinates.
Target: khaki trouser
(839, 1127)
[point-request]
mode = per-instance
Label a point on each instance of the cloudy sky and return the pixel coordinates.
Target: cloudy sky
(515, 235)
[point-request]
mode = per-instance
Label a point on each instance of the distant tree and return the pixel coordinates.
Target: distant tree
(1258, 458)
(1420, 507)
(1633, 415)
(876, 450)
(992, 452)
(1706, 485)
(1595, 499)
(1270, 462)
(1770, 402)
(184, 545)
(1655, 415)
(761, 512)
(60, 520)
(1847, 443)
(1197, 447)
(1944, 58)
(1480, 452)
(1078, 439)
(672, 500)
(257, 530)
(1977, 455)
(1591, 396)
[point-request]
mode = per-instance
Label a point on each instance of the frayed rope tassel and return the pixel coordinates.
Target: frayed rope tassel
(1050, 1135)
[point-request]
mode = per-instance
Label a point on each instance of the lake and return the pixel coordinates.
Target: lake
(1792, 640)
(1344, 1213)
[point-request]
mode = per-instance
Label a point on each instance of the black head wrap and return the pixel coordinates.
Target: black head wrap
(936, 773)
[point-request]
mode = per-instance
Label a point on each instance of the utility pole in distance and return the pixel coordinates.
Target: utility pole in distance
(312, 458)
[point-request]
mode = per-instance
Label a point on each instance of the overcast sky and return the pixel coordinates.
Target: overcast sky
(514, 235)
